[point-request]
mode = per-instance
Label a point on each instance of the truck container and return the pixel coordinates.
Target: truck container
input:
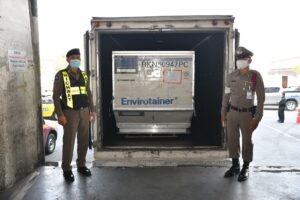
(132, 127)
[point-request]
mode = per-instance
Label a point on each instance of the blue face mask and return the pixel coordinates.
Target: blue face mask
(75, 63)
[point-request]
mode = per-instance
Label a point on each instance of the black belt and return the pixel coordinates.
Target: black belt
(81, 108)
(251, 109)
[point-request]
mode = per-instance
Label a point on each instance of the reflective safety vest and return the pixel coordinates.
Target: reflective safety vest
(73, 91)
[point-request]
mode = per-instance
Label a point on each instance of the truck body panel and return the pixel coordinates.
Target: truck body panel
(210, 38)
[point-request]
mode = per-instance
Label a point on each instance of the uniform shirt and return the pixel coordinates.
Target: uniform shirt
(240, 89)
(58, 89)
(282, 103)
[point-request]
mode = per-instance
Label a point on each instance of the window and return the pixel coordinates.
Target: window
(272, 89)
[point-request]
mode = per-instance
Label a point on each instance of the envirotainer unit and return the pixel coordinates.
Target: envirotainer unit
(153, 91)
(139, 106)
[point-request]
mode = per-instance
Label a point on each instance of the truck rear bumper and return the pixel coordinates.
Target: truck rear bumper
(153, 158)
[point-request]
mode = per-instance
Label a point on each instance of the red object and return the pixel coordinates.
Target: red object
(253, 79)
(298, 117)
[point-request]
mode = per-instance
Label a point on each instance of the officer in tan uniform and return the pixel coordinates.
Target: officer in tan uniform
(239, 113)
(74, 108)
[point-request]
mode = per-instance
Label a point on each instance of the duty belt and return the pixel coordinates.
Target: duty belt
(80, 108)
(251, 109)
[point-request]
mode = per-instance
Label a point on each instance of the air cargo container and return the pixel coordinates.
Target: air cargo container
(153, 91)
(158, 83)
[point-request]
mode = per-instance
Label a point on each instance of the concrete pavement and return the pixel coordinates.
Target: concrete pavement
(165, 183)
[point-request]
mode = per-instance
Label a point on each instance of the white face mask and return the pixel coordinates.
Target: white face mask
(241, 64)
(75, 63)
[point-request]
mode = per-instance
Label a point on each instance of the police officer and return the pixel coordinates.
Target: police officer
(239, 113)
(74, 108)
(281, 108)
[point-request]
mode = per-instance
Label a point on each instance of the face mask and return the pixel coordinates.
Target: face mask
(241, 64)
(75, 63)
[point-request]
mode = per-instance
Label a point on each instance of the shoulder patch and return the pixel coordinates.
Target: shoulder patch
(57, 77)
(253, 79)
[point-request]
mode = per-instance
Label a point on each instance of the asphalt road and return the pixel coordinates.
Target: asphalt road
(275, 144)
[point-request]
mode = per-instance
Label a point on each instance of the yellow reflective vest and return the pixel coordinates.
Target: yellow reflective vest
(72, 91)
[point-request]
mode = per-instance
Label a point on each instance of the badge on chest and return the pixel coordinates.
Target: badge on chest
(248, 87)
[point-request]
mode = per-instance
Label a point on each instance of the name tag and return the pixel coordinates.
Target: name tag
(227, 90)
(249, 94)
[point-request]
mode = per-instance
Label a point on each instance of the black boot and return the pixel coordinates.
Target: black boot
(84, 171)
(69, 177)
(234, 169)
(244, 175)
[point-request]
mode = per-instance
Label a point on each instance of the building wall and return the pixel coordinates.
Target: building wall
(21, 148)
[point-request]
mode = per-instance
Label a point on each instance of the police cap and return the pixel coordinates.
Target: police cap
(73, 52)
(242, 52)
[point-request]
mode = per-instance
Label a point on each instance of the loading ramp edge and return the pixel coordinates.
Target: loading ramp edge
(152, 158)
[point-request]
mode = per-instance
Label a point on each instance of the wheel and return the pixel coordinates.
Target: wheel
(50, 144)
(291, 105)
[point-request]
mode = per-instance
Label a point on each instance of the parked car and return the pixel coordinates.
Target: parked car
(274, 94)
(50, 136)
(48, 108)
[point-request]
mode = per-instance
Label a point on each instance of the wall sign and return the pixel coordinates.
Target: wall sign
(17, 60)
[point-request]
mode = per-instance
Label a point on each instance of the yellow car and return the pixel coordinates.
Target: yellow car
(48, 108)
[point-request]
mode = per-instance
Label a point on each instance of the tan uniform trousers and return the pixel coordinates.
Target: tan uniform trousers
(237, 121)
(77, 122)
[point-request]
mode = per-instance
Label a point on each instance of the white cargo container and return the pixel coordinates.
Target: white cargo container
(153, 91)
(131, 99)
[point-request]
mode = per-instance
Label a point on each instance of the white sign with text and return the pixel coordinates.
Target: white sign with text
(17, 60)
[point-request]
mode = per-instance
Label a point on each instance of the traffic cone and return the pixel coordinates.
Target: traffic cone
(298, 117)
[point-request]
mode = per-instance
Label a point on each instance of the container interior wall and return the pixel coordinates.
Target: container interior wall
(209, 50)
